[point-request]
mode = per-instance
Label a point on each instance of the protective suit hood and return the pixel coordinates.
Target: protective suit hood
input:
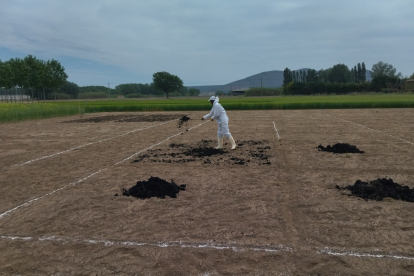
(216, 100)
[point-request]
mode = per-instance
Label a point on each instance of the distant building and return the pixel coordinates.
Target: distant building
(239, 91)
(409, 84)
(206, 94)
(15, 97)
(120, 97)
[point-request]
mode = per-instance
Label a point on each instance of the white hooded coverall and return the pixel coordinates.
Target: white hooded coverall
(219, 114)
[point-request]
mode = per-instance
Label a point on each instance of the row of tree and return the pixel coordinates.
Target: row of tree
(39, 79)
(358, 73)
(154, 89)
(163, 82)
(137, 90)
(36, 76)
(339, 73)
(339, 79)
(302, 76)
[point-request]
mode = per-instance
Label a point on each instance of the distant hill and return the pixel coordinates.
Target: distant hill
(266, 79)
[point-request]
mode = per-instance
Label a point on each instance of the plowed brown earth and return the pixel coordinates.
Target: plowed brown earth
(282, 218)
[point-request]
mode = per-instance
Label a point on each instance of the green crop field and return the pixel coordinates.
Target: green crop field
(16, 112)
(10, 112)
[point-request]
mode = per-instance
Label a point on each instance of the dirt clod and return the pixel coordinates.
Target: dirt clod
(154, 187)
(183, 120)
(340, 148)
(379, 189)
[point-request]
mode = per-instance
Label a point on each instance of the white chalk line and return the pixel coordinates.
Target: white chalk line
(85, 178)
(88, 144)
(277, 132)
(361, 255)
(385, 119)
(182, 244)
(202, 245)
(405, 141)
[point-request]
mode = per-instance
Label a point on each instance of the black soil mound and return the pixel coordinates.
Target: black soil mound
(183, 120)
(340, 148)
(127, 118)
(203, 152)
(154, 187)
(379, 189)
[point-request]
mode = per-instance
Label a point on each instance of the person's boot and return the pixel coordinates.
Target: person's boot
(220, 143)
(233, 144)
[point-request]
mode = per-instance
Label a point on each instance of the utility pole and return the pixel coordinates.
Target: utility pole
(109, 91)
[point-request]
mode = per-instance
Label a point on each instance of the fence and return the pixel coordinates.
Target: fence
(15, 94)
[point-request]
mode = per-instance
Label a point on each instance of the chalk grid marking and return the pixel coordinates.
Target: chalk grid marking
(277, 132)
(181, 244)
(202, 245)
(88, 144)
(208, 245)
(375, 117)
(405, 141)
(329, 251)
(27, 203)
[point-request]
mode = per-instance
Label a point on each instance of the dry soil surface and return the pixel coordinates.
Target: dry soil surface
(59, 215)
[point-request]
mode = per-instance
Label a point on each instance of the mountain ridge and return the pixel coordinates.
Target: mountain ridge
(270, 79)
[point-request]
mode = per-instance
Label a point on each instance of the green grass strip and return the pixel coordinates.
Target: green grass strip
(15, 112)
(12, 112)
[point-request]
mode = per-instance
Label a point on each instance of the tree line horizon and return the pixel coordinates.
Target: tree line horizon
(340, 80)
(45, 80)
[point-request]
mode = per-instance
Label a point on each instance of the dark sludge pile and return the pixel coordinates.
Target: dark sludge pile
(183, 120)
(248, 153)
(176, 145)
(204, 152)
(340, 148)
(379, 189)
(154, 187)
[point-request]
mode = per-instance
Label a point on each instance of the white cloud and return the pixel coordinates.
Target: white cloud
(212, 41)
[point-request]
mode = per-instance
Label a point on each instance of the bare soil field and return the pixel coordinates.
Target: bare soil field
(270, 207)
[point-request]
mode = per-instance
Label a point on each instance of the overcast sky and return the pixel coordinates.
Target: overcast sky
(206, 42)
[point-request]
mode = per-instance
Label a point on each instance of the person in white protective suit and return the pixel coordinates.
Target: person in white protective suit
(219, 114)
